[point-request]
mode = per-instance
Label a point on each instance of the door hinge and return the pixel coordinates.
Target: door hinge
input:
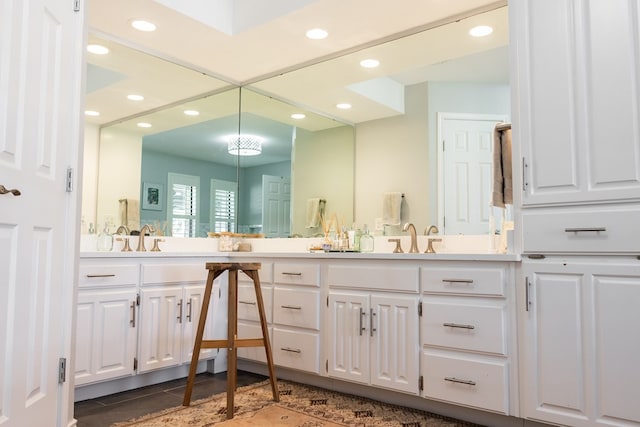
(135, 363)
(76, 5)
(69, 183)
(420, 309)
(420, 383)
(62, 370)
(525, 165)
(138, 299)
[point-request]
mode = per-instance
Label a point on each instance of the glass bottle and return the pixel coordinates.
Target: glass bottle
(105, 239)
(366, 240)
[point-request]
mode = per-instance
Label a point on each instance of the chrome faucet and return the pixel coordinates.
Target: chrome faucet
(431, 229)
(123, 228)
(414, 239)
(143, 231)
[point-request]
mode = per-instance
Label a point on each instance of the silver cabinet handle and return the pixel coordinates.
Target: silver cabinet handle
(93, 276)
(456, 380)
(132, 322)
(292, 307)
(585, 230)
(457, 280)
(458, 325)
(362, 328)
(372, 328)
(179, 317)
(189, 304)
(5, 190)
(284, 273)
(247, 302)
(291, 350)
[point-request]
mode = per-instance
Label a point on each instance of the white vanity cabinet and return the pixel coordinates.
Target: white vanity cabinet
(171, 297)
(465, 333)
(373, 325)
(296, 315)
(580, 338)
(106, 317)
(248, 318)
(575, 109)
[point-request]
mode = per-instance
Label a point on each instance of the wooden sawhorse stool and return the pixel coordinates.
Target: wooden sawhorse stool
(232, 342)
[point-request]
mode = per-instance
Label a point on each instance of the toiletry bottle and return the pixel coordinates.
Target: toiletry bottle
(366, 240)
(105, 239)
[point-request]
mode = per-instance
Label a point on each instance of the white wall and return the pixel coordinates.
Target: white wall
(90, 175)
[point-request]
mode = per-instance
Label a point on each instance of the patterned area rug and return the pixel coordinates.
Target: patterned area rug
(300, 406)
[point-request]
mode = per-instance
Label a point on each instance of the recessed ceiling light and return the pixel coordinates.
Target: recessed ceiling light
(343, 106)
(317, 34)
(369, 63)
(142, 25)
(192, 112)
(298, 116)
(144, 125)
(480, 31)
(91, 113)
(98, 49)
(134, 97)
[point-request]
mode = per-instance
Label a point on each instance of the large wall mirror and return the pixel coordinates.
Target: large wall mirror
(387, 142)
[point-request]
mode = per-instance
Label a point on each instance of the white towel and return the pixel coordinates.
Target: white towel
(313, 213)
(502, 192)
(391, 208)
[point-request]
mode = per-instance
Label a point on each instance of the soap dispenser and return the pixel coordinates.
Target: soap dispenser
(105, 239)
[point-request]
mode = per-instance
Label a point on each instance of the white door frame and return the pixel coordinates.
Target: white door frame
(441, 118)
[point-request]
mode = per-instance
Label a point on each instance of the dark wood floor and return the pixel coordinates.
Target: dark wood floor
(104, 411)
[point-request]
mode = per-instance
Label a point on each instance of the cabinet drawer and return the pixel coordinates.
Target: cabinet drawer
(595, 230)
(174, 273)
(107, 275)
(247, 302)
(459, 279)
(465, 326)
(265, 273)
(374, 277)
(296, 307)
(466, 381)
(296, 350)
(297, 274)
(253, 330)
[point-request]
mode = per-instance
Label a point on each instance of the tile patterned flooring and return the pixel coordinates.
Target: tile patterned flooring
(106, 410)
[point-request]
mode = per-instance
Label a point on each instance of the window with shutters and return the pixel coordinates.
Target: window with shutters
(183, 202)
(223, 206)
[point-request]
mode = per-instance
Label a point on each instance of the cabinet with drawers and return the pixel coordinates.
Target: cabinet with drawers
(248, 318)
(465, 335)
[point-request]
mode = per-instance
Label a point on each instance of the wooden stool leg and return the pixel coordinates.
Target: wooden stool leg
(198, 341)
(232, 335)
(265, 333)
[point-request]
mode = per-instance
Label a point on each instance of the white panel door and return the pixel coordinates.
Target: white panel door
(106, 326)
(576, 115)
(394, 348)
(192, 307)
(41, 69)
(276, 206)
(467, 151)
(349, 336)
(159, 343)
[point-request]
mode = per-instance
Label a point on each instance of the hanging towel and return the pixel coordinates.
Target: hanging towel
(391, 208)
(313, 213)
(130, 213)
(502, 191)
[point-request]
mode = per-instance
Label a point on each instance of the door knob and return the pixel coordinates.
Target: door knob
(4, 190)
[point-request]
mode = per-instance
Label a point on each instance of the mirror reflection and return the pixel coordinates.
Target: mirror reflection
(389, 141)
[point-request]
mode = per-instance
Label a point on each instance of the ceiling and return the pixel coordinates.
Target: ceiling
(225, 43)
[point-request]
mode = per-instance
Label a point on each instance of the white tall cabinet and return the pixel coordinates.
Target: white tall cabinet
(576, 129)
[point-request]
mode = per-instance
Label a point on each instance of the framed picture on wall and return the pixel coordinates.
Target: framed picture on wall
(152, 196)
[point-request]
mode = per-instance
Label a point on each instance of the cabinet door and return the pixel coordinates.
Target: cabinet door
(349, 336)
(394, 346)
(191, 306)
(160, 327)
(575, 116)
(105, 335)
(581, 347)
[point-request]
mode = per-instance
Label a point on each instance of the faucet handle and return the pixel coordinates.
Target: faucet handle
(398, 248)
(126, 247)
(156, 248)
(430, 249)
